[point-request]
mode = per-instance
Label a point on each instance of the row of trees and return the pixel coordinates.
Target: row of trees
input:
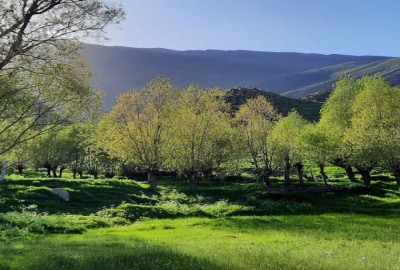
(194, 131)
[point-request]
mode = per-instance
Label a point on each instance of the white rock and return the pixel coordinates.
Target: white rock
(62, 193)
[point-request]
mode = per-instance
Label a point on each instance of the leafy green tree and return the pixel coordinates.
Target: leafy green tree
(375, 127)
(200, 131)
(285, 145)
(316, 147)
(43, 80)
(256, 119)
(336, 119)
(33, 104)
(50, 151)
(136, 129)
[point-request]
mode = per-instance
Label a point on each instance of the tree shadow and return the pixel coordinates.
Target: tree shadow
(105, 252)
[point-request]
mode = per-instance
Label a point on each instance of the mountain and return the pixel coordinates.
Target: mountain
(119, 69)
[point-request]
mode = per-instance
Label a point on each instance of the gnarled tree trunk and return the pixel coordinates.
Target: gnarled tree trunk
(54, 170)
(323, 174)
(286, 171)
(365, 174)
(350, 173)
(152, 178)
(192, 180)
(341, 162)
(397, 177)
(300, 172)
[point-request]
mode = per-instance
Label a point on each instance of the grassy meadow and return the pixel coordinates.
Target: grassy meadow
(122, 224)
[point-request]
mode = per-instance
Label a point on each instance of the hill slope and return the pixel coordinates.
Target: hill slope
(119, 69)
(389, 69)
(308, 109)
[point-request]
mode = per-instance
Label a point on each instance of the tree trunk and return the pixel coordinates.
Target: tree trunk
(397, 177)
(323, 174)
(365, 172)
(74, 172)
(192, 181)
(61, 171)
(80, 174)
(152, 178)
(207, 175)
(3, 171)
(300, 172)
(366, 176)
(48, 167)
(20, 168)
(350, 173)
(54, 170)
(265, 177)
(342, 163)
(286, 172)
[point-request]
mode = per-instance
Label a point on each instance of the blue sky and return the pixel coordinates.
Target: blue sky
(359, 27)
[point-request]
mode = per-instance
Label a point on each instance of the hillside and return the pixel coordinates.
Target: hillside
(389, 69)
(309, 109)
(119, 69)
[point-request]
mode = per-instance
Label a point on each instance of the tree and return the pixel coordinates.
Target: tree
(200, 132)
(336, 117)
(375, 127)
(32, 104)
(43, 80)
(285, 145)
(36, 30)
(316, 147)
(136, 128)
(256, 118)
(50, 151)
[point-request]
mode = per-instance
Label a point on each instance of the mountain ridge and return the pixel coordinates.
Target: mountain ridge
(119, 69)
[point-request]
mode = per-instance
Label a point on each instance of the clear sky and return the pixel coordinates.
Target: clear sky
(357, 27)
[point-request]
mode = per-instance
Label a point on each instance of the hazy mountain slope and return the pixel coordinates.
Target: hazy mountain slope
(119, 69)
(388, 69)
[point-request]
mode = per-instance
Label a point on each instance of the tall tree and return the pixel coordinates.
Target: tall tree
(200, 131)
(43, 80)
(50, 151)
(336, 116)
(34, 103)
(284, 144)
(375, 127)
(256, 118)
(317, 147)
(136, 128)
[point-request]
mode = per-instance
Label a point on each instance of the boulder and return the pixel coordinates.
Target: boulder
(61, 193)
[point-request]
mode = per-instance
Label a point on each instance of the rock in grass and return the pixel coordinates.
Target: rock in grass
(62, 193)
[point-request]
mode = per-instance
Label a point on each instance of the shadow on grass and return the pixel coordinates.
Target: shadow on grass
(105, 252)
(328, 226)
(87, 196)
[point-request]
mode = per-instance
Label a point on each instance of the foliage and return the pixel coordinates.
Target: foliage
(34, 30)
(44, 81)
(286, 144)
(136, 128)
(201, 133)
(255, 120)
(375, 128)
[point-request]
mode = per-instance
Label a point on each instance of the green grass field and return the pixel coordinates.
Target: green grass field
(121, 224)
